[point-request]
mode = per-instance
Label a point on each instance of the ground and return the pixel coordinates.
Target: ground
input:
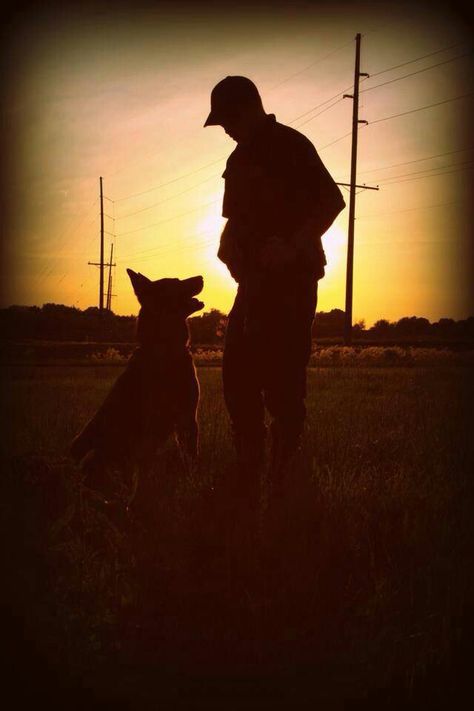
(355, 589)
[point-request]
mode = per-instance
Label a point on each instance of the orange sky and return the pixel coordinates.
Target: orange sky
(124, 94)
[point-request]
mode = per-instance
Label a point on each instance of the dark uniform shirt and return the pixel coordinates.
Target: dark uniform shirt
(273, 185)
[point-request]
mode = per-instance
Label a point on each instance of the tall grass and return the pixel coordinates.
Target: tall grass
(354, 588)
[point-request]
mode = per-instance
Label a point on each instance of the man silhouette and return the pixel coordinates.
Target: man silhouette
(279, 200)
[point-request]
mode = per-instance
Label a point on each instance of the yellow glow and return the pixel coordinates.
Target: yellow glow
(334, 243)
(213, 223)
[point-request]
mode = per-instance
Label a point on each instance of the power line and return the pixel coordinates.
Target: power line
(50, 268)
(418, 71)
(425, 170)
(422, 108)
(317, 61)
(314, 108)
(155, 249)
(75, 293)
(172, 197)
(319, 113)
(326, 101)
(406, 243)
(409, 209)
(433, 175)
(196, 245)
(175, 217)
(169, 182)
(336, 140)
(378, 85)
(45, 272)
(417, 59)
(337, 96)
(416, 160)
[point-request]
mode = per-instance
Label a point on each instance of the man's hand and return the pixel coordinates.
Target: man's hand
(308, 245)
(277, 254)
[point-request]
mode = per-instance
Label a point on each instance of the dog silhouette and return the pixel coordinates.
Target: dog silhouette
(155, 397)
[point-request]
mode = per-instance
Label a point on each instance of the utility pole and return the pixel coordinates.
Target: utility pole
(353, 185)
(101, 263)
(101, 274)
(108, 303)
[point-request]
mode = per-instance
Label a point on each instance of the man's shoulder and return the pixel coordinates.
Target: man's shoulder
(278, 141)
(288, 133)
(291, 138)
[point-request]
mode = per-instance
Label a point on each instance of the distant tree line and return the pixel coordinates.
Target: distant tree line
(56, 322)
(416, 328)
(408, 328)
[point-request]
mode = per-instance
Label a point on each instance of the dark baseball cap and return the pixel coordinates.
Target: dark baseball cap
(230, 96)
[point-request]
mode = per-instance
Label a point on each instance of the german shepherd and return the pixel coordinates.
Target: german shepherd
(156, 396)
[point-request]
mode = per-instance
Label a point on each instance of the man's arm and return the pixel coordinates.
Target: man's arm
(307, 239)
(324, 199)
(324, 202)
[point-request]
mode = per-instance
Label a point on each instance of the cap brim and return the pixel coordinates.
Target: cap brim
(212, 120)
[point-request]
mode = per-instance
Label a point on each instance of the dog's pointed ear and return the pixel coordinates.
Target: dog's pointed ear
(139, 283)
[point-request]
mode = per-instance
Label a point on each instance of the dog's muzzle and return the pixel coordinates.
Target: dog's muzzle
(193, 285)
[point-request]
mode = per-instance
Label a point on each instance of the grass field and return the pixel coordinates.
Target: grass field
(355, 590)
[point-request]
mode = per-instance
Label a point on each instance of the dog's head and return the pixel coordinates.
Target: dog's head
(172, 297)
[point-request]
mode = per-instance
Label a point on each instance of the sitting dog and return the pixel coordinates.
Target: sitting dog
(157, 394)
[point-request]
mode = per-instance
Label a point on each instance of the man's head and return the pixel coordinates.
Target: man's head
(236, 106)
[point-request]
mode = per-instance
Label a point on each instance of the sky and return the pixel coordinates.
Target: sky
(123, 91)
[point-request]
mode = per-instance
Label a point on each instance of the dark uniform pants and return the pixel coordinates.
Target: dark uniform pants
(267, 348)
